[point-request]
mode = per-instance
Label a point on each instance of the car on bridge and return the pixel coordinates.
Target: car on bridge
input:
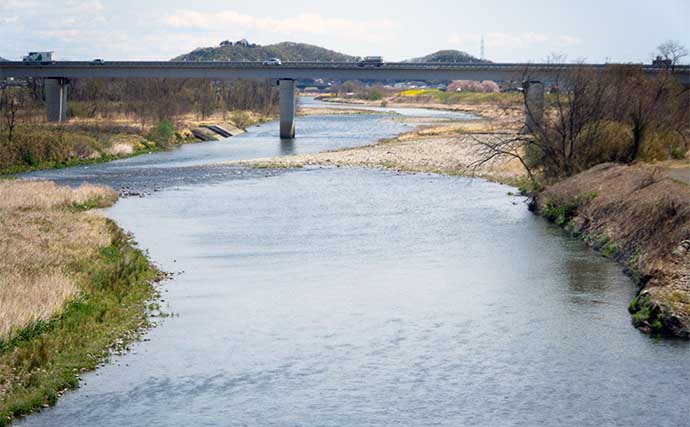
(371, 61)
(272, 61)
(97, 61)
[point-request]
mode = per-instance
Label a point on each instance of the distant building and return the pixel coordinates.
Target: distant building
(662, 62)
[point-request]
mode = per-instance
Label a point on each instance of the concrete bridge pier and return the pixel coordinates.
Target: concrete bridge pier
(534, 111)
(56, 99)
(287, 108)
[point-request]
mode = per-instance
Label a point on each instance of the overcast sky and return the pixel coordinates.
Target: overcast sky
(528, 30)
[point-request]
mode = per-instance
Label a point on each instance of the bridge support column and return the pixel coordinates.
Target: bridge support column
(534, 97)
(287, 108)
(56, 99)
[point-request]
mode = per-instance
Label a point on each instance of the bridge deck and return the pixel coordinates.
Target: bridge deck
(306, 70)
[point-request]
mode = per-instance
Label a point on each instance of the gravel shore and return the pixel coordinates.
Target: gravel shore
(447, 147)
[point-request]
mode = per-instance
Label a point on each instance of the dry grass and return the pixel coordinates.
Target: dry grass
(25, 299)
(72, 287)
(503, 116)
(48, 195)
(41, 235)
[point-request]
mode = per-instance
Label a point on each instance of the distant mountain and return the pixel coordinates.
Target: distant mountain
(449, 56)
(3, 59)
(245, 51)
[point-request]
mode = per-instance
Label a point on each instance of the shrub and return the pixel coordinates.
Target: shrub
(241, 119)
(375, 95)
(663, 146)
(163, 134)
(604, 141)
(560, 212)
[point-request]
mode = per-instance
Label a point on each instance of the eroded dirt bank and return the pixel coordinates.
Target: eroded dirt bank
(639, 216)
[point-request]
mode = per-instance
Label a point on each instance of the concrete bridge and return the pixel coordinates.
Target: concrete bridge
(57, 75)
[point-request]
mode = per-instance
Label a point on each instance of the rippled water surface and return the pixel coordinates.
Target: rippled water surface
(353, 297)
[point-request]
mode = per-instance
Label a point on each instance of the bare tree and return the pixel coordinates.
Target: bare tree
(595, 116)
(673, 51)
(9, 106)
(494, 146)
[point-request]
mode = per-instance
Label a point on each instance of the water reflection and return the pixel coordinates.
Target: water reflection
(287, 146)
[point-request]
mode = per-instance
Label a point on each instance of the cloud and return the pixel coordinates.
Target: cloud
(380, 30)
(88, 7)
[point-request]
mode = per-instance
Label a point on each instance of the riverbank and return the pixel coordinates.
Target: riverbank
(446, 147)
(503, 111)
(88, 141)
(73, 288)
(640, 217)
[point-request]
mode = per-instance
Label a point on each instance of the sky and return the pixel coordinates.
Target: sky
(513, 31)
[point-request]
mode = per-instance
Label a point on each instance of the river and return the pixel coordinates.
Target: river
(353, 297)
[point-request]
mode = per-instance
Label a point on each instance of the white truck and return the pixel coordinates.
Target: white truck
(374, 61)
(38, 57)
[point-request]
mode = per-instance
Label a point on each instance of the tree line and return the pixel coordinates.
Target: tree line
(618, 114)
(147, 101)
(150, 107)
(155, 100)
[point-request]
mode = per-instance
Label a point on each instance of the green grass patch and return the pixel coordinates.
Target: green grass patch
(46, 357)
(608, 249)
(641, 310)
(560, 212)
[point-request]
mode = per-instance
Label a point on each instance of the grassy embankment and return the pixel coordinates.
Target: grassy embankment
(55, 147)
(72, 287)
(640, 217)
(87, 141)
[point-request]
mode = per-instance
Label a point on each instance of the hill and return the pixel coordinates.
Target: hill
(245, 51)
(449, 56)
(3, 59)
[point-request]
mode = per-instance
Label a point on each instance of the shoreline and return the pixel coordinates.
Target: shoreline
(107, 144)
(446, 147)
(662, 305)
(613, 208)
(77, 291)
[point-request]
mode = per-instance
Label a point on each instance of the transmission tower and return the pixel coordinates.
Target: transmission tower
(481, 55)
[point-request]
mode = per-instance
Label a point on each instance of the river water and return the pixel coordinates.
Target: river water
(355, 297)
